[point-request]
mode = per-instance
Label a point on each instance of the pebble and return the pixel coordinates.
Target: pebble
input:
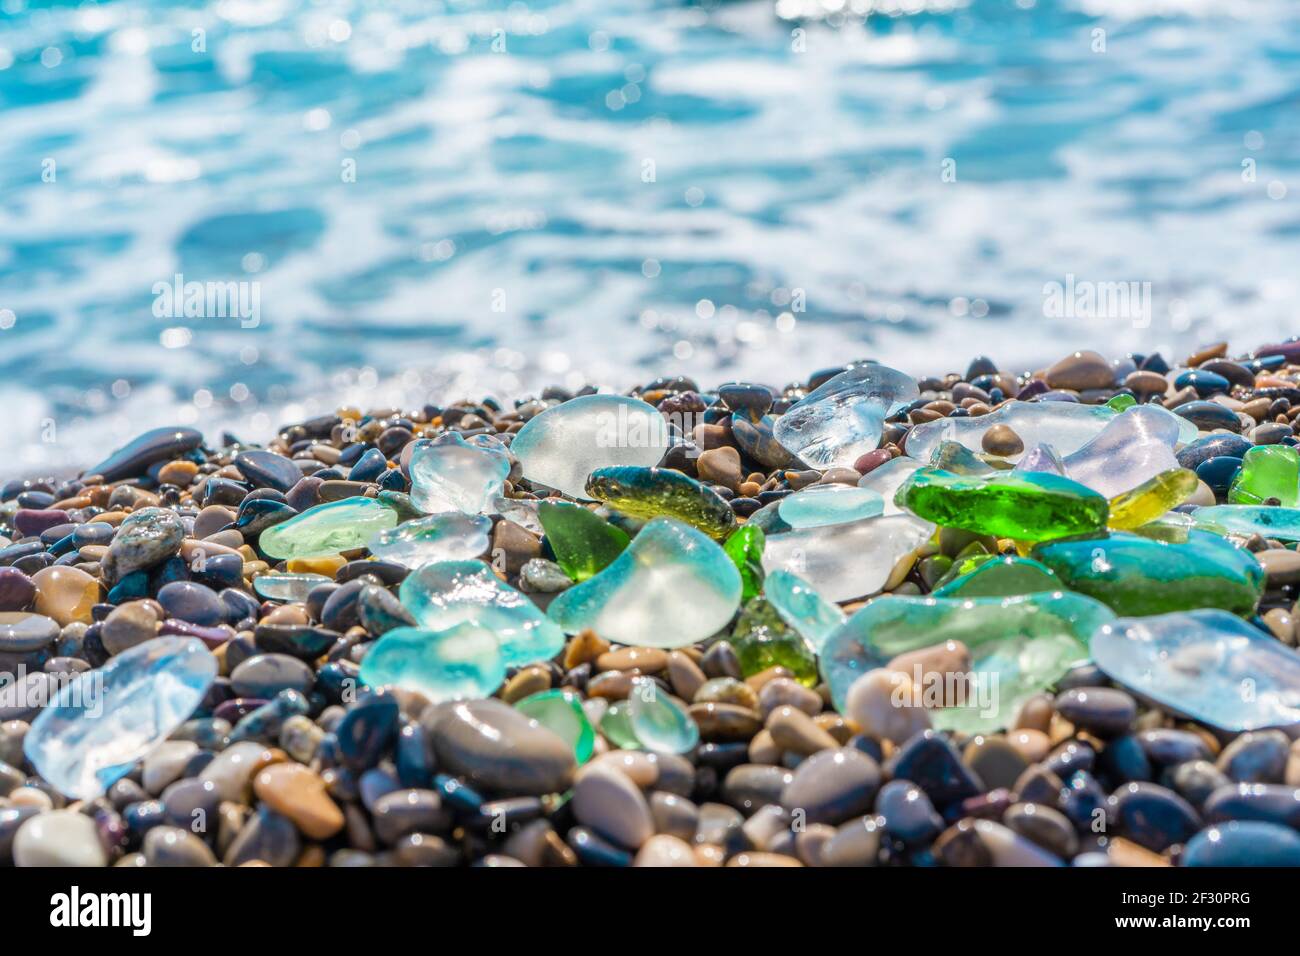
(832, 786)
(58, 838)
(493, 745)
(65, 594)
(299, 794)
(613, 806)
(871, 704)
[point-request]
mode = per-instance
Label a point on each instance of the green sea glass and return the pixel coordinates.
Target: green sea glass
(662, 492)
(561, 711)
(1269, 474)
(762, 639)
(745, 548)
(1138, 576)
(1019, 647)
(344, 525)
(1031, 506)
(616, 727)
(583, 542)
(1121, 402)
(463, 662)
(1000, 577)
(658, 722)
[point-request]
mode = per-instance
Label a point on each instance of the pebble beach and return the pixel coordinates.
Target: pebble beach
(984, 618)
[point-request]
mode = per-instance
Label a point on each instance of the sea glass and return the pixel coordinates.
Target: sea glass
(1151, 499)
(102, 722)
(1282, 524)
(745, 548)
(673, 586)
(463, 662)
(1019, 646)
(452, 474)
(1206, 664)
(658, 722)
(647, 493)
(1031, 506)
(1000, 577)
(1270, 474)
(847, 561)
(843, 419)
(449, 536)
(561, 712)
(561, 446)
(327, 529)
(822, 505)
(886, 479)
(801, 607)
(1133, 448)
(584, 543)
(442, 595)
(1136, 575)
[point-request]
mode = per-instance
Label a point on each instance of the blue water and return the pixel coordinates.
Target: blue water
(629, 187)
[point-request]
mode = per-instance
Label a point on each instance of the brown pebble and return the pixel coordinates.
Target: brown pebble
(1002, 440)
(528, 681)
(300, 794)
(583, 647)
(643, 660)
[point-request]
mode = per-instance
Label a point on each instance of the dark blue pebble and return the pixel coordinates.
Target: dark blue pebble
(1124, 759)
(1083, 801)
(366, 730)
(392, 480)
(369, 466)
(593, 850)
(144, 816)
(131, 588)
(36, 500)
(413, 756)
(57, 533)
(1204, 383)
(350, 455)
(265, 722)
(909, 814)
(14, 552)
(266, 469)
(931, 762)
(1208, 415)
(220, 571)
(1212, 446)
(224, 491)
(159, 445)
(192, 602)
(1218, 473)
(93, 532)
(255, 515)
(1152, 816)
(335, 678)
(34, 562)
(239, 604)
(456, 794)
(1269, 802)
(1243, 843)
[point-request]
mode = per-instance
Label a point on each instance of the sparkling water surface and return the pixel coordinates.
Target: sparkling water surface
(606, 191)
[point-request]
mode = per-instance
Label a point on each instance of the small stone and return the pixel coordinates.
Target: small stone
(1104, 711)
(870, 703)
(1081, 371)
(665, 850)
(65, 594)
(720, 466)
(833, 785)
(1002, 440)
(299, 794)
(613, 806)
(59, 838)
(496, 746)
